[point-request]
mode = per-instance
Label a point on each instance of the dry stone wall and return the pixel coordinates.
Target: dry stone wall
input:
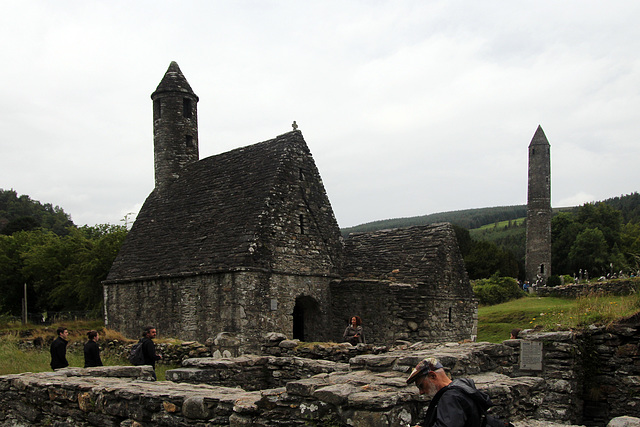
(612, 371)
(618, 287)
(584, 378)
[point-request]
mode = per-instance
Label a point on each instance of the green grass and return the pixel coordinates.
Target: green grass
(502, 224)
(13, 360)
(549, 314)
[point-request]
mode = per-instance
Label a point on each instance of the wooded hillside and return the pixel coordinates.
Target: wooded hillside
(601, 237)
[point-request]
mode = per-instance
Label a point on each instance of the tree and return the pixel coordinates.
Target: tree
(486, 259)
(63, 273)
(496, 290)
(590, 252)
(564, 230)
(14, 210)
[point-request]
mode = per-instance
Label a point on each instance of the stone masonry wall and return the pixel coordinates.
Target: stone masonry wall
(242, 306)
(370, 392)
(562, 369)
(612, 371)
(392, 311)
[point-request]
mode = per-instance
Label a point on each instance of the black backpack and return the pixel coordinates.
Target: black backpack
(135, 355)
(487, 420)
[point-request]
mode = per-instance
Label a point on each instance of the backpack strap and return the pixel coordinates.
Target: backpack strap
(430, 416)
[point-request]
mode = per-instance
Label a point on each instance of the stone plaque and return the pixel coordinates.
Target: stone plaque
(531, 355)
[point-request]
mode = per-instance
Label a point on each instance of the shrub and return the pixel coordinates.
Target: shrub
(496, 290)
(554, 280)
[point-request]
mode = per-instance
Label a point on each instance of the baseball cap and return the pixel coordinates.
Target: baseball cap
(423, 368)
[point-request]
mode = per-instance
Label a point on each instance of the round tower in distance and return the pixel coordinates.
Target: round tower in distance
(538, 254)
(175, 126)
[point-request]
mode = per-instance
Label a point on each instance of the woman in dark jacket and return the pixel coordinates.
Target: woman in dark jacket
(92, 350)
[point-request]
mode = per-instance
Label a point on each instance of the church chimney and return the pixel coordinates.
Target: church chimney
(175, 126)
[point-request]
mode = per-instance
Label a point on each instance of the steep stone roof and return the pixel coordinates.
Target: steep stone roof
(219, 212)
(420, 254)
(539, 138)
(173, 81)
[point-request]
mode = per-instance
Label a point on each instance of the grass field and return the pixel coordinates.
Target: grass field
(14, 360)
(494, 325)
(495, 322)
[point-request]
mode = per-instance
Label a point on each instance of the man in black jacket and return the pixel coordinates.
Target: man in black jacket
(454, 403)
(92, 350)
(58, 349)
(149, 348)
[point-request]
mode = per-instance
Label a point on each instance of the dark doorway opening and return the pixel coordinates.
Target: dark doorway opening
(306, 319)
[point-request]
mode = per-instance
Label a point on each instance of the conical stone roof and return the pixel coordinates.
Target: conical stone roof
(173, 81)
(539, 138)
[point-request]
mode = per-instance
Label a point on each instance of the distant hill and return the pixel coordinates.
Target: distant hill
(469, 219)
(628, 205)
(22, 213)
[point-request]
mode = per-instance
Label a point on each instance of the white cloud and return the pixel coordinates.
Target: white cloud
(408, 107)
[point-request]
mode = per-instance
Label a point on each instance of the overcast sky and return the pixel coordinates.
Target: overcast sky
(408, 107)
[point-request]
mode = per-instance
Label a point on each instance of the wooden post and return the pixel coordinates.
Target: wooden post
(24, 306)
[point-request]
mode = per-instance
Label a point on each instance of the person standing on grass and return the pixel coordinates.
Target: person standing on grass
(92, 350)
(149, 348)
(59, 349)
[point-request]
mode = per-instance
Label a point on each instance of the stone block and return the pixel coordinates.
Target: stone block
(373, 399)
(195, 408)
(368, 419)
(334, 394)
(304, 387)
(288, 343)
(624, 422)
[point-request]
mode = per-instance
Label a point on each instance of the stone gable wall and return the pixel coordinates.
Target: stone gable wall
(298, 231)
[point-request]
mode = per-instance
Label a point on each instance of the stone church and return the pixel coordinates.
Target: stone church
(243, 243)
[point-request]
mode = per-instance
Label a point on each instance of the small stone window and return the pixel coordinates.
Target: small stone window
(187, 111)
(157, 109)
(450, 314)
(300, 174)
(302, 224)
(188, 139)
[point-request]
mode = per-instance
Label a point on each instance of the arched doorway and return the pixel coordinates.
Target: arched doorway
(306, 319)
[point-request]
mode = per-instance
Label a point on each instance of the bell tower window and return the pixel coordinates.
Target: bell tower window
(186, 108)
(157, 109)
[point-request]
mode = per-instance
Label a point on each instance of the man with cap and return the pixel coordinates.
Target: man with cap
(454, 403)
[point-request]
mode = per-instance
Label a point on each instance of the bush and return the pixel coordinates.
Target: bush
(554, 280)
(496, 290)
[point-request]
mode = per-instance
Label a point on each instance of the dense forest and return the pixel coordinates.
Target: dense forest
(63, 265)
(22, 213)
